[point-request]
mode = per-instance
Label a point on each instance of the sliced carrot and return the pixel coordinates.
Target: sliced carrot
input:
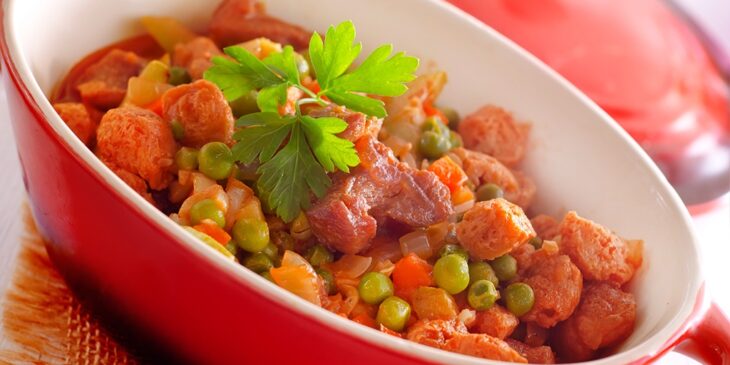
(365, 320)
(449, 172)
(213, 230)
(461, 195)
(410, 273)
(432, 111)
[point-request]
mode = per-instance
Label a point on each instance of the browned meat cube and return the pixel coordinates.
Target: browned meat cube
(545, 226)
(482, 169)
(138, 141)
(134, 181)
(496, 322)
(534, 355)
(195, 56)
(202, 110)
(358, 124)
(236, 21)
(557, 285)
(381, 188)
(604, 318)
(81, 121)
(598, 253)
(493, 228)
(483, 346)
(104, 84)
(434, 332)
(493, 131)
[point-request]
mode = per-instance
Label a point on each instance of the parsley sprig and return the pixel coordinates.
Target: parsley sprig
(311, 147)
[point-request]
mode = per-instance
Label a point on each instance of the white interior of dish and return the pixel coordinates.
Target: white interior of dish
(579, 158)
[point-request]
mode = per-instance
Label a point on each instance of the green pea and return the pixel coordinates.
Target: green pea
(186, 158)
(482, 295)
(451, 273)
(433, 145)
(207, 209)
(455, 139)
(272, 251)
(482, 271)
(375, 287)
(318, 255)
(215, 160)
(536, 242)
(452, 115)
(251, 235)
(258, 262)
(505, 267)
(178, 76)
(328, 279)
(489, 191)
(178, 131)
(245, 104)
(519, 298)
(453, 249)
(267, 275)
(232, 248)
(393, 313)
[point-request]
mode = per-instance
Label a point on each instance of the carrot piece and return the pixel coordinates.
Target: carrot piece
(432, 111)
(410, 273)
(449, 172)
(156, 106)
(365, 320)
(461, 195)
(390, 331)
(213, 230)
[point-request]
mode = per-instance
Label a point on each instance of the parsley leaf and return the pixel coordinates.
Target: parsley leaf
(287, 178)
(284, 64)
(380, 75)
(330, 150)
(262, 137)
(331, 59)
(238, 78)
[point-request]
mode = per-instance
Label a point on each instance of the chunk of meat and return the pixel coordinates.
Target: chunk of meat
(434, 332)
(358, 124)
(381, 188)
(202, 110)
(138, 141)
(605, 317)
(104, 84)
(535, 335)
(599, 254)
(483, 346)
(483, 169)
(557, 285)
(236, 21)
(493, 228)
(496, 322)
(195, 56)
(526, 254)
(135, 182)
(493, 131)
(545, 226)
(80, 119)
(534, 355)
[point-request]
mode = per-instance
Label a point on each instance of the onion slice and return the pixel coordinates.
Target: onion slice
(416, 242)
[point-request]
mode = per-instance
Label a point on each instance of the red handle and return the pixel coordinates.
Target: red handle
(709, 340)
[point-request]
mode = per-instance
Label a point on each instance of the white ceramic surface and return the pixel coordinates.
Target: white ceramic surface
(580, 159)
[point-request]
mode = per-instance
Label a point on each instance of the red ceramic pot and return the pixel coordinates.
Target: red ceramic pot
(114, 247)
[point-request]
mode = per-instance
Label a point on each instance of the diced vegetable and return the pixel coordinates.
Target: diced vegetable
(416, 242)
(453, 249)
(393, 313)
(519, 298)
(251, 234)
(215, 160)
(375, 287)
(489, 191)
(505, 267)
(318, 255)
(410, 273)
(328, 280)
(452, 116)
(149, 86)
(210, 242)
(258, 262)
(449, 172)
(350, 266)
(214, 231)
(297, 276)
(261, 47)
(186, 158)
(299, 227)
(178, 76)
(482, 295)
(481, 270)
(207, 209)
(536, 242)
(433, 303)
(167, 31)
(451, 273)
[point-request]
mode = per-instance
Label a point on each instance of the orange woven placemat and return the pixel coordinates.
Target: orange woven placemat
(43, 322)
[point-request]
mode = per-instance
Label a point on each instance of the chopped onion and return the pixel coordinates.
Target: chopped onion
(297, 276)
(463, 207)
(384, 267)
(350, 266)
(238, 194)
(416, 242)
(467, 317)
(384, 248)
